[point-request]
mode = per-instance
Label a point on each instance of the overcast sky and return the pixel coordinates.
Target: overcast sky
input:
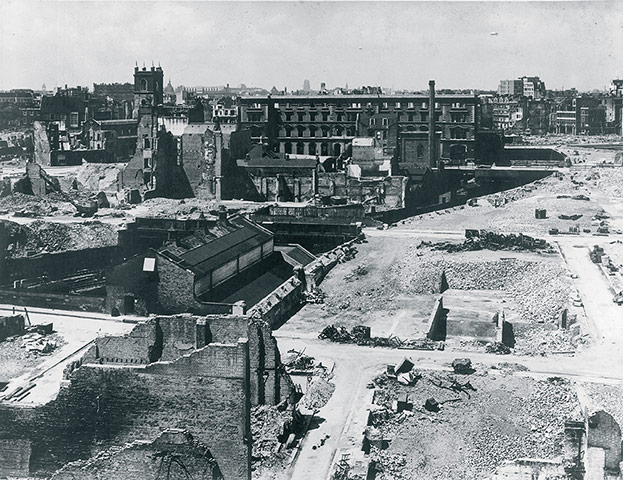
(397, 45)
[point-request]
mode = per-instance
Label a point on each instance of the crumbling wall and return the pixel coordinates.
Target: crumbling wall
(140, 346)
(13, 325)
(270, 384)
(604, 432)
(205, 393)
(437, 321)
(279, 305)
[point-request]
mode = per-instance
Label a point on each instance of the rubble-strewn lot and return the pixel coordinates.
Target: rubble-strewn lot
(395, 280)
(17, 356)
(507, 417)
(517, 215)
(40, 236)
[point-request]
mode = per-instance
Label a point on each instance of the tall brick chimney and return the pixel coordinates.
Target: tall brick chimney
(431, 124)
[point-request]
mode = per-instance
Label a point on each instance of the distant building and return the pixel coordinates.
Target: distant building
(510, 87)
(224, 110)
(280, 177)
(531, 87)
(580, 115)
(68, 108)
(118, 137)
(119, 92)
(20, 97)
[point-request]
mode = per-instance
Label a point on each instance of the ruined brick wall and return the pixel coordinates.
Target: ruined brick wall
(604, 432)
(279, 305)
(175, 287)
(9, 326)
(14, 457)
(136, 347)
(205, 393)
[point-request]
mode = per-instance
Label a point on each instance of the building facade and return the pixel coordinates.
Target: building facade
(325, 125)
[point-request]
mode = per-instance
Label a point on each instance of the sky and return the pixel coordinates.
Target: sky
(400, 45)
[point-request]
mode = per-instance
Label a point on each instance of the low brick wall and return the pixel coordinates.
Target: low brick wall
(319, 268)
(53, 300)
(10, 326)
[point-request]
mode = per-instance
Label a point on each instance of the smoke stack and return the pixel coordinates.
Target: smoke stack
(431, 124)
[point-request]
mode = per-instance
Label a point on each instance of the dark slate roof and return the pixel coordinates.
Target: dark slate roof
(297, 253)
(266, 162)
(203, 252)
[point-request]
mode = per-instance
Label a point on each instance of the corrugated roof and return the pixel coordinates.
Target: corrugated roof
(228, 240)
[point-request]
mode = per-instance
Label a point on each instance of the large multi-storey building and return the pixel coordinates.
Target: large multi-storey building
(531, 87)
(325, 125)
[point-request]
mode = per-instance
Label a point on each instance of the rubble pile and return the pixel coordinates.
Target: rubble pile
(98, 177)
(609, 180)
(318, 393)
(294, 360)
(47, 237)
(167, 207)
(22, 205)
(485, 240)
(607, 397)
(316, 295)
(270, 429)
(480, 421)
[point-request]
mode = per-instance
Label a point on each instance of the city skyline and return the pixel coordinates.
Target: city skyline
(463, 45)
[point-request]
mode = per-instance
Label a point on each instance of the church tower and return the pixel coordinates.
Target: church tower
(148, 88)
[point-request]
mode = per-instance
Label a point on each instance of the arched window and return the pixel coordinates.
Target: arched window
(287, 147)
(337, 149)
(300, 148)
(339, 131)
(312, 131)
(288, 131)
(325, 132)
(420, 150)
(143, 85)
(324, 149)
(301, 131)
(312, 148)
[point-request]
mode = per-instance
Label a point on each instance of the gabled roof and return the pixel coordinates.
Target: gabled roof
(203, 252)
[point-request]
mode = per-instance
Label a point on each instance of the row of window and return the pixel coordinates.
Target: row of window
(313, 131)
(384, 105)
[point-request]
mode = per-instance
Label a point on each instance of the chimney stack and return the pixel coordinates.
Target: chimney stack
(222, 213)
(431, 125)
